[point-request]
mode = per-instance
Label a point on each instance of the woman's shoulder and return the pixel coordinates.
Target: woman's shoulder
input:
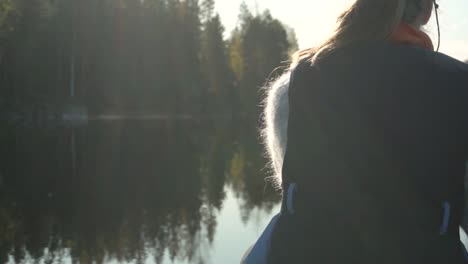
(439, 60)
(445, 62)
(302, 72)
(382, 59)
(302, 66)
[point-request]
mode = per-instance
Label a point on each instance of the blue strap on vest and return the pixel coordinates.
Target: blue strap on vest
(261, 249)
(292, 188)
(445, 219)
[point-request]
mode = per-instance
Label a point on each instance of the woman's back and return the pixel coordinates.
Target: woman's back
(377, 143)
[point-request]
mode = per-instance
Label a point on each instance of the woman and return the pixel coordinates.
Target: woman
(377, 140)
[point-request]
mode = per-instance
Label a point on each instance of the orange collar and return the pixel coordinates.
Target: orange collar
(405, 33)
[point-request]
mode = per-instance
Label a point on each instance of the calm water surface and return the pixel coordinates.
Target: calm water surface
(132, 192)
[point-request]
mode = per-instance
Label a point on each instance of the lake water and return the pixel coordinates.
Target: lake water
(132, 192)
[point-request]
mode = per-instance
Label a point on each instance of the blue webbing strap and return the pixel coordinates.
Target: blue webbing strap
(292, 188)
(260, 251)
(446, 218)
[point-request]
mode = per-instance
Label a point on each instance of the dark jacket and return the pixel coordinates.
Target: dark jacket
(377, 144)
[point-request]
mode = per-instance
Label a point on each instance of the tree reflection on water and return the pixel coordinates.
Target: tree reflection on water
(129, 192)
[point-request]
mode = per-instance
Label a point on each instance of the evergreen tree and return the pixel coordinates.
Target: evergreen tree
(292, 39)
(207, 10)
(215, 66)
(257, 47)
(163, 56)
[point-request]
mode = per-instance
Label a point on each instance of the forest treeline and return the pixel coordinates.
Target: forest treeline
(158, 56)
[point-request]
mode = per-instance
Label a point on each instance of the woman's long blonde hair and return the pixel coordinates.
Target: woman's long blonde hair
(365, 21)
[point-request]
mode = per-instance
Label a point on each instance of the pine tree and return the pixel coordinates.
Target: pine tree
(258, 46)
(207, 10)
(292, 39)
(215, 68)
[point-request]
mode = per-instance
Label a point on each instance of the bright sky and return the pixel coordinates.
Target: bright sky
(314, 20)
